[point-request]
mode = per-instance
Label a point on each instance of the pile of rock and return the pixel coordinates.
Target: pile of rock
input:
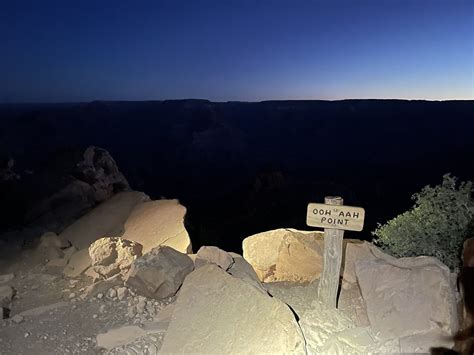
(409, 302)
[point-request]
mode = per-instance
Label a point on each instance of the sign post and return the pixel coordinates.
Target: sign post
(334, 218)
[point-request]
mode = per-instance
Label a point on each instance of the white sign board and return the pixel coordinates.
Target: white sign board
(335, 217)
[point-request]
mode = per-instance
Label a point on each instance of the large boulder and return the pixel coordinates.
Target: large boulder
(159, 273)
(107, 219)
(156, 223)
(285, 255)
(408, 297)
(111, 255)
(216, 313)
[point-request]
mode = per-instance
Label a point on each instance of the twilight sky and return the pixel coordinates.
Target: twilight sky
(249, 50)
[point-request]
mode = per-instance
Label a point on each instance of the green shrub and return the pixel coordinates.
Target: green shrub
(436, 225)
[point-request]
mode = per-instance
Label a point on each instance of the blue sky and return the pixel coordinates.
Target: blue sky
(56, 51)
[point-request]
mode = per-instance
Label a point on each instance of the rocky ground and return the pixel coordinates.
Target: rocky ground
(52, 314)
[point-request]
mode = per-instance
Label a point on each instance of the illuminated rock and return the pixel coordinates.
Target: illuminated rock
(408, 297)
(330, 331)
(111, 255)
(355, 250)
(285, 255)
(159, 273)
(244, 271)
(79, 262)
(107, 219)
(216, 313)
(156, 223)
(214, 255)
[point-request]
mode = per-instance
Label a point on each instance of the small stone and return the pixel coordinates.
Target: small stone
(112, 293)
(17, 318)
(6, 295)
(100, 296)
(122, 292)
(27, 334)
(72, 295)
(94, 316)
(102, 308)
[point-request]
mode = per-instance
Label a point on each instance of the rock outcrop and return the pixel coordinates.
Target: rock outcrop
(159, 273)
(216, 313)
(285, 255)
(156, 223)
(73, 184)
(111, 255)
(107, 219)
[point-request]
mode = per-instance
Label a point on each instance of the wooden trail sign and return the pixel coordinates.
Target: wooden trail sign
(334, 218)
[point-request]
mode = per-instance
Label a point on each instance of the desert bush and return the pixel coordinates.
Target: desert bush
(436, 225)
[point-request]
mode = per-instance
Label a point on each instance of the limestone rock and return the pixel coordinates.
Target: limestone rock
(6, 295)
(214, 255)
(78, 263)
(285, 255)
(244, 271)
(407, 296)
(159, 273)
(156, 223)
(329, 331)
(111, 255)
(355, 250)
(216, 313)
(107, 219)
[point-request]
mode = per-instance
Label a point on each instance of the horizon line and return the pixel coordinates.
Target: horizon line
(227, 101)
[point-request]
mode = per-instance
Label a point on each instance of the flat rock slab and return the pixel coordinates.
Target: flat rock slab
(407, 296)
(156, 223)
(216, 313)
(34, 312)
(119, 336)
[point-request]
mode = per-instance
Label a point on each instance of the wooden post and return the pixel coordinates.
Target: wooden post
(329, 280)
